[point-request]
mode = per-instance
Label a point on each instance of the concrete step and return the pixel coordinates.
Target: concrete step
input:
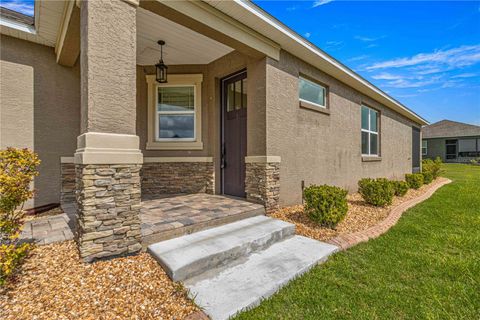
(223, 292)
(193, 254)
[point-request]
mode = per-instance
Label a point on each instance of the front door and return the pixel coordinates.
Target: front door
(415, 149)
(234, 134)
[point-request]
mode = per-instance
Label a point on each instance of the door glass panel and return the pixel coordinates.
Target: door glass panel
(244, 93)
(238, 95)
(230, 97)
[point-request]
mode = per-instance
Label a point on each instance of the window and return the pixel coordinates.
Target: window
(174, 116)
(175, 113)
(312, 93)
(424, 147)
(370, 142)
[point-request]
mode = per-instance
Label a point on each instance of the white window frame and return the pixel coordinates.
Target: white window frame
(154, 142)
(369, 154)
(311, 102)
(426, 148)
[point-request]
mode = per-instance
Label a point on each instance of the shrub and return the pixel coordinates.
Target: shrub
(325, 205)
(414, 180)
(427, 177)
(432, 166)
(18, 167)
(378, 192)
(400, 187)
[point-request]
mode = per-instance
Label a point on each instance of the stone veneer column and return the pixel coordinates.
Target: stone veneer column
(108, 159)
(262, 180)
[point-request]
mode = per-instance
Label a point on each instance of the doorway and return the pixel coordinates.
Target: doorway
(234, 133)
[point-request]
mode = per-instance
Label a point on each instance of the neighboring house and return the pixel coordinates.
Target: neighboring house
(249, 109)
(451, 141)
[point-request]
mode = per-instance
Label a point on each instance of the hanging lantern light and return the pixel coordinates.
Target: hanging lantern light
(161, 68)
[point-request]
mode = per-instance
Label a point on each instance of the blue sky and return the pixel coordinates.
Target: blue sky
(22, 6)
(424, 54)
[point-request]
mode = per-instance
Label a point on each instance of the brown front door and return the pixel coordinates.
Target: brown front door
(234, 133)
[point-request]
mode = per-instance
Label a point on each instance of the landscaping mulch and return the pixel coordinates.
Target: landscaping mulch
(360, 216)
(53, 283)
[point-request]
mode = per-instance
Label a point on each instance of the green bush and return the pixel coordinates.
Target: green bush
(325, 205)
(432, 166)
(378, 192)
(427, 177)
(400, 187)
(18, 167)
(414, 180)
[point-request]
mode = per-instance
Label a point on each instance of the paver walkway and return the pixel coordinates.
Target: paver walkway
(49, 229)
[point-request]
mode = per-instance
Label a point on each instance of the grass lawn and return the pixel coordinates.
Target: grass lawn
(425, 267)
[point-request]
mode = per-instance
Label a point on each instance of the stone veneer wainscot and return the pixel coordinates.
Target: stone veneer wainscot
(169, 177)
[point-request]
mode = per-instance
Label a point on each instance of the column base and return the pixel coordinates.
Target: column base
(108, 200)
(262, 181)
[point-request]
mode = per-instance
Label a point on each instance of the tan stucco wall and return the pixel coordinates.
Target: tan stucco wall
(107, 57)
(39, 109)
(211, 106)
(326, 149)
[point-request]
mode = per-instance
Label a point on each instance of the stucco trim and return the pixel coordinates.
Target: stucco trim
(174, 79)
(67, 159)
(176, 159)
(263, 159)
(108, 148)
(371, 158)
(310, 106)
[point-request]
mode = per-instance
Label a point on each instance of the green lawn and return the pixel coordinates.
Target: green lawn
(425, 267)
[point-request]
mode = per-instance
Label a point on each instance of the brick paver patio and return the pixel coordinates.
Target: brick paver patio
(162, 218)
(171, 216)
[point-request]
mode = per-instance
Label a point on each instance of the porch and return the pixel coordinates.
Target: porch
(162, 217)
(188, 132)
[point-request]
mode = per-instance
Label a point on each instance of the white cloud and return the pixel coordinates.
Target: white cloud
(19, 6)
(464, 75)
(358, 58)
(368, 39)
(318, 3)
(453, 58)
(387, 76)
(334, 45)
(307, 34)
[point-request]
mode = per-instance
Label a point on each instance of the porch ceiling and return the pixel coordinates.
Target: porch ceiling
(183, 45)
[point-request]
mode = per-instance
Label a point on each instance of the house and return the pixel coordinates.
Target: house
(451, 141)
(248, 108)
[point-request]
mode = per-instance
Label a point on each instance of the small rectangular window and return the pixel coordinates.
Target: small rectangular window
(424, 147)
(312, 92)
(370, 139)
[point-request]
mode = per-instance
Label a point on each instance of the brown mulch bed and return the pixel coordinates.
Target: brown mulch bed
(54, 284)
(360, 216)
